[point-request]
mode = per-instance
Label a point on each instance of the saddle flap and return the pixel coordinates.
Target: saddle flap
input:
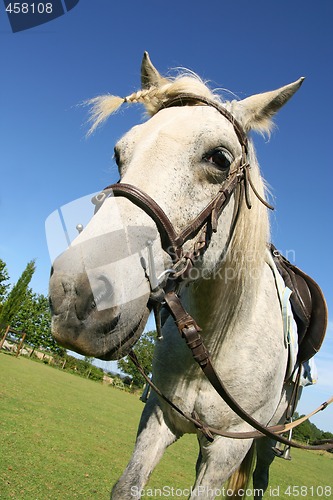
(308, 305)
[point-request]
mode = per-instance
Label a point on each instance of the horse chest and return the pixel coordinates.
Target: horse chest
(183, 383)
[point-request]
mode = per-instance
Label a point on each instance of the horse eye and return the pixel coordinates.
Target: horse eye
(220, 158)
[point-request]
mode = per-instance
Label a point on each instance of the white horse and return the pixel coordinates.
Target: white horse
(100, 288)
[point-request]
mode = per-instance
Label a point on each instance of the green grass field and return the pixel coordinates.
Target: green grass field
(65, 437)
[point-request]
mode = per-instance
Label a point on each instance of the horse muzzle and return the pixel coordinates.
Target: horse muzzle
(98, 299)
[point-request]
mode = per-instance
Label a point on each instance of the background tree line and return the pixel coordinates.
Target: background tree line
(307, 432)
(25, 310)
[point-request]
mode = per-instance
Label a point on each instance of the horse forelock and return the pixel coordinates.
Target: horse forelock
(185, 82)
(153, 98)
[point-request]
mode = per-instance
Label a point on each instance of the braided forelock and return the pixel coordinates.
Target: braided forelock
(152, 98)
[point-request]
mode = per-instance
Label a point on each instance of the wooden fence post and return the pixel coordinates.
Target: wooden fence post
(20, 344)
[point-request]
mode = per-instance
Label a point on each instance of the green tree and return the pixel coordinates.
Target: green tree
(88, 364)
(34, 318)
(4, 276)
(308, 432)
(144, 349)
(17, 295)
(25, 319)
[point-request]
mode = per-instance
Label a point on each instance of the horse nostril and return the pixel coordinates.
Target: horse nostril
(50, 305)
(103, 293)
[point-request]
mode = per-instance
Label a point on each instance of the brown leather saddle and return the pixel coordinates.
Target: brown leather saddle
(308, 305)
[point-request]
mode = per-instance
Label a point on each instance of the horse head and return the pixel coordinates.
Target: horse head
(102, 287)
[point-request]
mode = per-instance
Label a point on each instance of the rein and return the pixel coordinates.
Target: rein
(172, 242)
(209, 432)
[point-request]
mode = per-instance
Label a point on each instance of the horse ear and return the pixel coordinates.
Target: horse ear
(150, 77)
(256, 112)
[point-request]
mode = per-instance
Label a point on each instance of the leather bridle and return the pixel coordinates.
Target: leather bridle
(201, 228)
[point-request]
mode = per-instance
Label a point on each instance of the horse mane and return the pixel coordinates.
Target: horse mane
(235, 281)
(242, 267)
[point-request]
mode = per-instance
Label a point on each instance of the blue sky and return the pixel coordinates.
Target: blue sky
(247, 47)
